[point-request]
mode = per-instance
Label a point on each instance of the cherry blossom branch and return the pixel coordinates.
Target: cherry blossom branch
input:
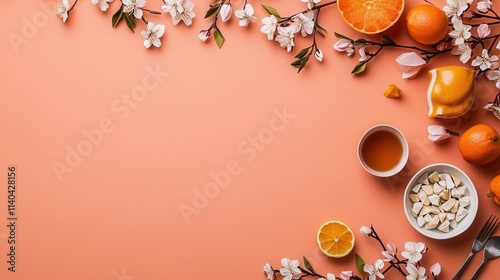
(316, 7)
(72, 6)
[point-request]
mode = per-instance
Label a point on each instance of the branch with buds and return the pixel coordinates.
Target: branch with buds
(410, 261)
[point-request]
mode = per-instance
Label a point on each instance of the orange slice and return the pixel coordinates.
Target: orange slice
(370, 16)
(335, 239)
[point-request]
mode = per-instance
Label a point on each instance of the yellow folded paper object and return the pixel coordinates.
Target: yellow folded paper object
(392, 91)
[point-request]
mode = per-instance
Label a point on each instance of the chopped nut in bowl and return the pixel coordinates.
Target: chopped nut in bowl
(440, 201)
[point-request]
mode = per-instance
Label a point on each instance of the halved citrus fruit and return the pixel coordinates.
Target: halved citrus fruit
(370, 16)
(335, 239)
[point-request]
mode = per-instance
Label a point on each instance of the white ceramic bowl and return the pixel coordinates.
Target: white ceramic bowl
(404, 157)
(465, 223)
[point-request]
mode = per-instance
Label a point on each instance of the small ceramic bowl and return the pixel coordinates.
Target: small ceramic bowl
(462, 225)
(404, 156)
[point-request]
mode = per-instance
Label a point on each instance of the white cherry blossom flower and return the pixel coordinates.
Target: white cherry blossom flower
(290, 268)
(304, 23)
(225, 12)
(484, 5)
(203, 35)
(413, 251)
(415, 273)
(269, 25)
(245, 15)
(63, 10)
(318, 54)
(483, 30)
(390, 253)
(269, 271)
(285, 37)
(365, 231)
(310, 3)
(346, 275)
(344, 45)
(455, 8)
(460, 32)
(374, 270)
(494, 75)
(173, 7)
(484, 61)
(464, 51)
(134, 6)
(187, 14)
(153, 34)
(103, 4)
(435, 270)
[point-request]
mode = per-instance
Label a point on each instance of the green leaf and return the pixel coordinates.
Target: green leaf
(387, 41)
(271, 10)
(117, 17)
(302, 53)
(320, 32)
(340, 36)
(130, 20)
(296, 63)
(360, 42)
(303, 63)
(212, 11)
(321, 28)
(359, 68)
(360, 264)
(308, 265)
(219, 39)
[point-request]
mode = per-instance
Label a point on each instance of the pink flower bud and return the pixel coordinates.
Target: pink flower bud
(225, 12)
(204, 34)
(346, 275)
(363, 54)
(365, 231)
(483, 30)
(435, 269)
(484, 5)
(442, 45)
(344, 45)
(319, 55)
(410, 64)
(437, 133)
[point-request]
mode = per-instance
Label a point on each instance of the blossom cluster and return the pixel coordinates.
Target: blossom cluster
(132, 10)
(412, 255)
(223, 10)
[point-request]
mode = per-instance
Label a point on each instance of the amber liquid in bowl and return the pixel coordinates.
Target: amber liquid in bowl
(382, 150)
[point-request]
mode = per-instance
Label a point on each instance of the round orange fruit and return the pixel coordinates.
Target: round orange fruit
(335, 239)
(479, 144)
(427, 24)
(370, 17)
(495, 189)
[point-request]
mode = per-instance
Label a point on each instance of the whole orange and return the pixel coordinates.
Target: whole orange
(495, 189)
(479, 144)
(427, 24)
